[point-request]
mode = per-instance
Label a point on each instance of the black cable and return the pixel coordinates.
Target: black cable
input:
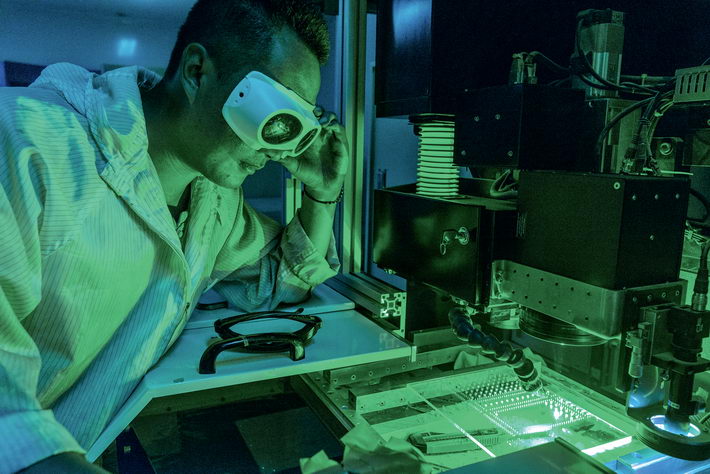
(641, 136)
(646, 78)
(559, 82)
(602, 81)
(700, 289)
(644, 133)
(596, 85)
(612, 123)
(706, 206)
(549, 62)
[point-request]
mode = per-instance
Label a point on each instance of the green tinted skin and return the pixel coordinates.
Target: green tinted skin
(188, 136)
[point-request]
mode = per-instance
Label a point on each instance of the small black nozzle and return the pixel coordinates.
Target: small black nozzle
(528, 375)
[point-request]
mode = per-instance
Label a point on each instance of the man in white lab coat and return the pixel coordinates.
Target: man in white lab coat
(121, 202)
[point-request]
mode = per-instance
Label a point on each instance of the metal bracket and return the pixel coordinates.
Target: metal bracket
(383, 301)
(595, 309)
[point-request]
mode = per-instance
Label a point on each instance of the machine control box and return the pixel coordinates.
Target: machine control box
(611, 231)
(446, 243)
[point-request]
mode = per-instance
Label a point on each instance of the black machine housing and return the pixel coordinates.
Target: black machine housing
(612, 231)
(408, 236)
(525, 126)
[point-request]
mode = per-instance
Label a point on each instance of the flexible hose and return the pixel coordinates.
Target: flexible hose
(492, 347)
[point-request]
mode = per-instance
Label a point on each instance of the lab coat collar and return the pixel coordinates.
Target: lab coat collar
(112, 105)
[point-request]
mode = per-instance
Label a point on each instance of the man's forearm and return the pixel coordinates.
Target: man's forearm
(317, 222)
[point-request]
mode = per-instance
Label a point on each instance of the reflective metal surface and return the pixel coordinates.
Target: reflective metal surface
(550, 329)
(597, 310)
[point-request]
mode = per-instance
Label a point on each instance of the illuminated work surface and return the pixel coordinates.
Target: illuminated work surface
(485, 414)
(346, 338)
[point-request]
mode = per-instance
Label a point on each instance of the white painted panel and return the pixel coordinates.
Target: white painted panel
(346, 338)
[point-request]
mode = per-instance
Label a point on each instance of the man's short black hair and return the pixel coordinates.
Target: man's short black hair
(243, 30)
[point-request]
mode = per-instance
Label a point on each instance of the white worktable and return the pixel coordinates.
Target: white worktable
(346, 338)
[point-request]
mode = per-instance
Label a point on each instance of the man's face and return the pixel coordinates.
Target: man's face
(215, 151)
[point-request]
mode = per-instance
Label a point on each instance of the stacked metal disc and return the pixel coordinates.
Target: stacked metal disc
(437, 176)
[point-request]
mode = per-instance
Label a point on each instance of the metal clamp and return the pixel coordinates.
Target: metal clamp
(461, 236)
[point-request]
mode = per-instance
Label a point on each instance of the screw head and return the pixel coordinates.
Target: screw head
(677, 196)
(652, 237)
(510, 153)
(655, 197)
(497, 116)
(633, 197)
(463, 152)
(635, 300)
(617, 185)
(476, 118)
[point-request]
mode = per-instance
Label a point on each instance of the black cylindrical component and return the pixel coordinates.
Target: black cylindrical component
(680, 398)
(688, 328)
(600, 37)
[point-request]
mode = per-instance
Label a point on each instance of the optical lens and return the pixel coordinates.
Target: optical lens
(280, 129)
(306, 141)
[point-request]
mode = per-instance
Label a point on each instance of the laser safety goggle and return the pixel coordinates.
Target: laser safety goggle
(265, 114)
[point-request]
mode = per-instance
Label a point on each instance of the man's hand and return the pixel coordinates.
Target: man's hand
(69, 463)
(323, 166)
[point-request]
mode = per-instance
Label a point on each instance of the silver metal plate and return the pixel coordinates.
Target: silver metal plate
(592, 308)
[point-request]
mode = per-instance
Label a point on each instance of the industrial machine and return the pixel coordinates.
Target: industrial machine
(565, 242)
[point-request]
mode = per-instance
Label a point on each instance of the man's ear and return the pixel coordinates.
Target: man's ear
(193, 66)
